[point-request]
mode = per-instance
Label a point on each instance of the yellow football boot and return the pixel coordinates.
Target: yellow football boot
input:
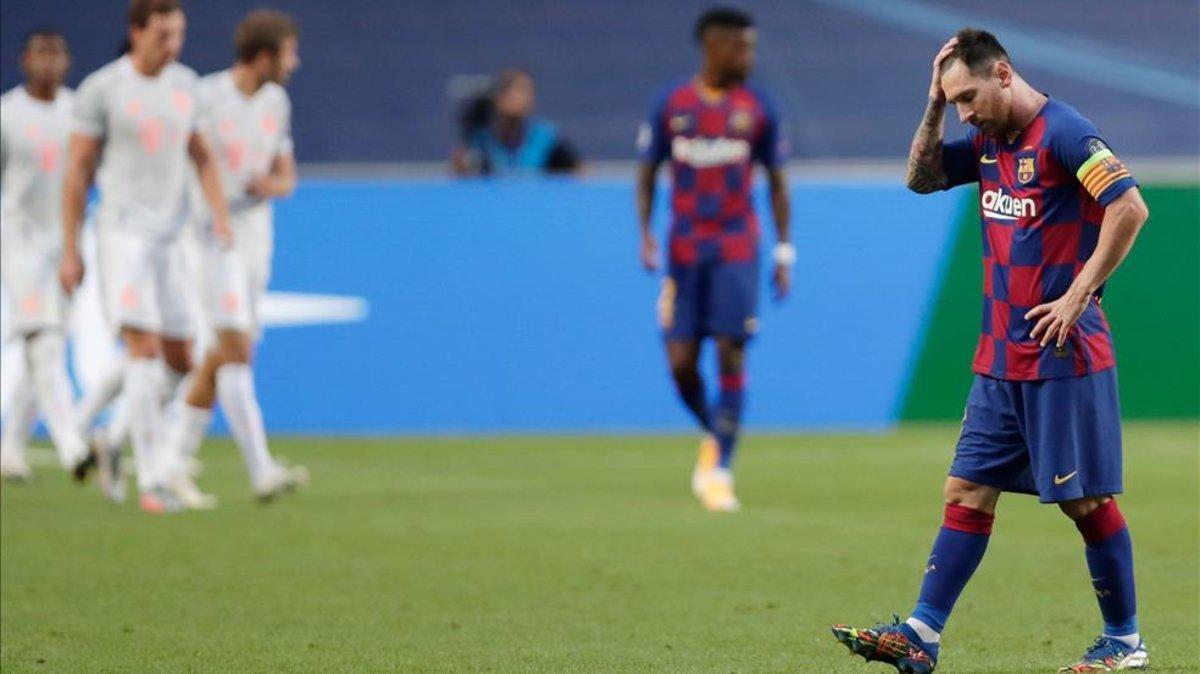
(706, 461)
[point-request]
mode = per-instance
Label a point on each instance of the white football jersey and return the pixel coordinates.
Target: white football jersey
(144, 124)
(247, 133)
(33, 153)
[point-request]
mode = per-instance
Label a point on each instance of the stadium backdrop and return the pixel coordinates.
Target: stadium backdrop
(520, 306)
(428, 306)
(439, 306)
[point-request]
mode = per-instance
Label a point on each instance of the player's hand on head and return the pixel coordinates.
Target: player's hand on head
(781, 279)
(650, 258)
(70, 271)
(935, 86)
(1055, 319)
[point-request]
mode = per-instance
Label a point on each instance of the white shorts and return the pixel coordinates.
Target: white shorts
(143, 282)
(29, 266)
(234, 280)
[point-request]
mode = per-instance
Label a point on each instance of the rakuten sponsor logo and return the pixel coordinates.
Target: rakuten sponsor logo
(707, 152)
(996, 204)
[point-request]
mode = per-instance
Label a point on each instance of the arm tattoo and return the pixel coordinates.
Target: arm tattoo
(925, 172)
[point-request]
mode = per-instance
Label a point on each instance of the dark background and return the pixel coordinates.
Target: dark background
(850, 76)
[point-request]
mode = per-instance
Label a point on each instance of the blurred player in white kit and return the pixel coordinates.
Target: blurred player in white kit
(246, 114)
(35, 120)
(134, 130)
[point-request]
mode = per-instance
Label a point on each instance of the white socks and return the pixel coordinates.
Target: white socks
(99, 396)
(115, 434)
(141, 394)
(170, 382)
(1131, 640)
(187, 432)
(235, 390)
(924, 631)
(173, 386)
(19, 422)
(46, 354)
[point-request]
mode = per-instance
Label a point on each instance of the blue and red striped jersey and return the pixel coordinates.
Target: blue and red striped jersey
(1042, 195)
(713, 141)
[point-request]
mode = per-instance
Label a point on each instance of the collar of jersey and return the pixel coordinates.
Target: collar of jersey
(1041, 111)
(709, 95)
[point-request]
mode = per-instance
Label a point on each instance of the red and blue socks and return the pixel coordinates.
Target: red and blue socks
(1109, 552)
(727, 417)
(960, 546)
(724, 419)
(691, 392)
(956, 553)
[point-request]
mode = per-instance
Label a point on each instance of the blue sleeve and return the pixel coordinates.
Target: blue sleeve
(959, 161)
(1077, 145)
(652, 143)
(771, 148)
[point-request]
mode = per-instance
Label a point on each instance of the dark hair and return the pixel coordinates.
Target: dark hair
(506, 78)
(41, 31)
(478, 104)
(140, 11)
(263, 30)
(722, 17)
(978, 50)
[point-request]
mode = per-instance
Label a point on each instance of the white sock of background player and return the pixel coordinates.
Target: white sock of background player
(175, 385)
(116, 433)
(98, 397)
(186, 432)
(20, 420)
(47, 360)
(144, 410)
(239, 401)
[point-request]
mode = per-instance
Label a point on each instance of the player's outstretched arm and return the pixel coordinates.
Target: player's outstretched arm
(1123, 219)
(646, 183)
(210, 183)
(925, 171)
(82, 154)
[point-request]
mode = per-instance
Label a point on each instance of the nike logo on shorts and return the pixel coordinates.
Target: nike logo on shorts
(1065, 478)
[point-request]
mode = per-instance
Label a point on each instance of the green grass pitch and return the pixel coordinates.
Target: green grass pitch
(573, 554)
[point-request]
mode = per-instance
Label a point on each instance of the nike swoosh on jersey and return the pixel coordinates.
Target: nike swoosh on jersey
(1064, 479)
(987, 160)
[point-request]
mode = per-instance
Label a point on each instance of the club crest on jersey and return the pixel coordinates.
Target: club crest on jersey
(741, 121)
(680, 123)
(1025, 170)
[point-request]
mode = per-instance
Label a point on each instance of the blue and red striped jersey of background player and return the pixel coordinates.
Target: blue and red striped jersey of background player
(1042, 195)
(713, 142)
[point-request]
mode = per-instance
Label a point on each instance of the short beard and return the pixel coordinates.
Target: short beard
(732, 79)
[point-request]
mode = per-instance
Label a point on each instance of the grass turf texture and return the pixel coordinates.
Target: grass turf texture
(573, 554)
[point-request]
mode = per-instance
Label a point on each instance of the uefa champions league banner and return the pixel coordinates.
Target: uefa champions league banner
(431, 306)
